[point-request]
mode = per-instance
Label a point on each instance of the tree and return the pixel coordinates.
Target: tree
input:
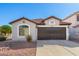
(5, 29)
(0, 29)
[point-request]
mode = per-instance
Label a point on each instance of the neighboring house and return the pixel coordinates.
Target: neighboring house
(51, 28)
(74, 27)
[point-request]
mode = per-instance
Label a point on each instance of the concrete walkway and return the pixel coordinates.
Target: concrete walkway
(57, 48)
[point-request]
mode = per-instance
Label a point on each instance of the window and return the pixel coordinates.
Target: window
(23, 30)
(77, 17)
(51, 22)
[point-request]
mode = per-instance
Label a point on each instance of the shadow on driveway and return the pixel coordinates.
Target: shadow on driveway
(65, 43)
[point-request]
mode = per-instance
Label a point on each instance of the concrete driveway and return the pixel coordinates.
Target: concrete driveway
(57, 48)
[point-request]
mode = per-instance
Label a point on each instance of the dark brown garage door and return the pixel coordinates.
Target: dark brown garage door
(51, 33)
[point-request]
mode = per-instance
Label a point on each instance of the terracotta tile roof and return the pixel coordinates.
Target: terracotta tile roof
(65, 23)
(21, 19)
(52, 17)
(39, 21)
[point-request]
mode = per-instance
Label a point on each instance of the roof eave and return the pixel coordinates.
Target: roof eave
(21, 19)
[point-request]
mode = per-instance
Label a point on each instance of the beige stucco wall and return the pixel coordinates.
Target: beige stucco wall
(15, 31)
(56, 22)
(33, 28)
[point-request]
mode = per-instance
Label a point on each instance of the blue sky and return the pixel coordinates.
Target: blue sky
(10, 12)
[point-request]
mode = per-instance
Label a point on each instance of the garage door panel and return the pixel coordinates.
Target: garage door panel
(51, 33)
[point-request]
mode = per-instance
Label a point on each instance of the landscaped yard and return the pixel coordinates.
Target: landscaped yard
(42, 48)
(9, 48)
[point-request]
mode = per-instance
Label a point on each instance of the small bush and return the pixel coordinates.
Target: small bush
(29, 38)
(2, 38)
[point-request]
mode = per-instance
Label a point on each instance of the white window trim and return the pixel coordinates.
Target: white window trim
(18, 30)
(51, 21)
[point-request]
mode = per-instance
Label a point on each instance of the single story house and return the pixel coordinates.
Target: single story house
(50, 28)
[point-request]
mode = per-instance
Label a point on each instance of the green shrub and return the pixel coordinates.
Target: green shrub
(29, 38)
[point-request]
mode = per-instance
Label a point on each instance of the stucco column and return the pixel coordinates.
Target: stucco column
(67, 33)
